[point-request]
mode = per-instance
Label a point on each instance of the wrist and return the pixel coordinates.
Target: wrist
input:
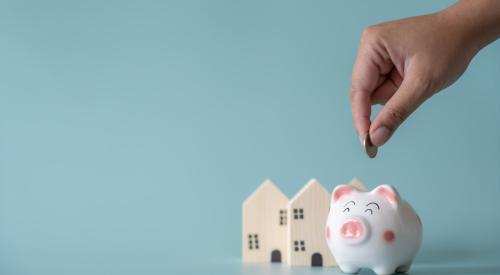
(476, 21)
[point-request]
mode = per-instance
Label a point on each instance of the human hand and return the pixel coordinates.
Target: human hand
(401, 64)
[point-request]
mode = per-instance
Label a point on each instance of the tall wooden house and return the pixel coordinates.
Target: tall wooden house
(306, 229)
(265, 225)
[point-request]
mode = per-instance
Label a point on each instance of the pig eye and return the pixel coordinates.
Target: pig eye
(347, 208)
(371, 210)
(374, 204)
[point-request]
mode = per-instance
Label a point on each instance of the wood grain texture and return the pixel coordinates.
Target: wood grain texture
(306, 234)
(261, 218)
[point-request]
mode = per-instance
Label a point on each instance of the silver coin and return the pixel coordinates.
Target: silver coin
(370, 149)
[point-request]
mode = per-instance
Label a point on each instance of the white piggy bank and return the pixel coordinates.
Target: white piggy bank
(376, 230)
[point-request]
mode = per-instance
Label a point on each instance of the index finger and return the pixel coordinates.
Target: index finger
(365, 79)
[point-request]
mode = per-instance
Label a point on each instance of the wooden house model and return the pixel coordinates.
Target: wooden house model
(264, 225)
(306, 230)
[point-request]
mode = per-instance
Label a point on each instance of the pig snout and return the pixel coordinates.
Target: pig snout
(354, 230)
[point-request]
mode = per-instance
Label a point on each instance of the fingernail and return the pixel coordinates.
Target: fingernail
(380, 136)
(361, 140)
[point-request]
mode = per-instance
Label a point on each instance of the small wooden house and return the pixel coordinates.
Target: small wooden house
(265, 225)
(306, 238)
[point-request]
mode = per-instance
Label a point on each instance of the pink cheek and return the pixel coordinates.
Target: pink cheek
(328, 233)
(389, 236)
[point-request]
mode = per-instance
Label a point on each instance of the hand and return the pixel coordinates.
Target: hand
(401, 64)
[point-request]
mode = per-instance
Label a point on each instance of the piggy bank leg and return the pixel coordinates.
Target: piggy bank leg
(403, 268)
(346, 268)
(384, 270)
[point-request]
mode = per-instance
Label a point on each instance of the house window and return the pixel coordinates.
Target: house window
(299, 246)
(253, 241)
(298, 213)
(283, 218)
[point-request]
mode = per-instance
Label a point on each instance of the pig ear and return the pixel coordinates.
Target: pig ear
(340, 191)
(389, 193)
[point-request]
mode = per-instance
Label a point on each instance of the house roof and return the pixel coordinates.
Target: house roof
(358, 185)
(312, 184)
(266, 186)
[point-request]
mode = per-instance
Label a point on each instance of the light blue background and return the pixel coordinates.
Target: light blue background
(131, 132)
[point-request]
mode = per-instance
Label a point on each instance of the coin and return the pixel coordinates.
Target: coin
(370, 149)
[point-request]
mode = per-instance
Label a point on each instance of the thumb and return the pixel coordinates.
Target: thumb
(412, 92)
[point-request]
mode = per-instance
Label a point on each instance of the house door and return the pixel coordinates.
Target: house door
(316, 260)
(276, 256)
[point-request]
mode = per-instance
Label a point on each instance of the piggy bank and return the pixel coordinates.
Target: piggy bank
(376, 230)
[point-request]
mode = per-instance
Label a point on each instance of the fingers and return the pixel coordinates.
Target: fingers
(361, 110)
(384, 92)
(366, 76)
(411, 93)
(387, 88)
